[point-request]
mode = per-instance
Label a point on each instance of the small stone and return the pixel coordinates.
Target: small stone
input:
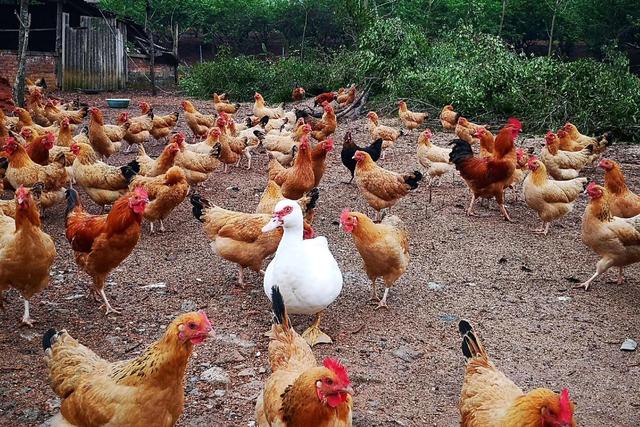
(194, 392)
(248, 372)
(258, 354)
(261, 370)
(251, 423)
(435, 286)
(29, 336)
(629, 345)
(564, 298)
(215, 375)
(30, 414)
(232, 188)
(154, 286)
(232, 356)
(234, 340)
(219, 393)
(52, 404)
(114, 341)
(188, 305)
(448, 318)
(407, 354)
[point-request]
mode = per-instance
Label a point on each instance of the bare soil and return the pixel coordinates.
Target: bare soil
(514, 286)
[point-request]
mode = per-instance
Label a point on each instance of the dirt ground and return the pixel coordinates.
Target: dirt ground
(405, 363)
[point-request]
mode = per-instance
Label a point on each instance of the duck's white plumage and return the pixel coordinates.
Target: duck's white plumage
(305, 271)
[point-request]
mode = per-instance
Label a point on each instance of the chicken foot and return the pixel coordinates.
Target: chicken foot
(108, 307)
(374, 291)
(544, 228)
(601, 267)
(505, 214)
(314, 335)
(383, 301)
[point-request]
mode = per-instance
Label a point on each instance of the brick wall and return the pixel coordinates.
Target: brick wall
(38, 65)
(139, 73)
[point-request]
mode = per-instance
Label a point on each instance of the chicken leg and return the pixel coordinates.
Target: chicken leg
(374, 291)
(601, 267)
(505, 214)
(383, 301)
(544, 228)
(314, 335)
(26, 319)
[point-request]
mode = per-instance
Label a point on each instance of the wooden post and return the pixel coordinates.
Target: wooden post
(151, 51)
(176, 38)
(24, 20)
(59, 30)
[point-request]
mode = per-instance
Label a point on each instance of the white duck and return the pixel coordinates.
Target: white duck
(305, 271)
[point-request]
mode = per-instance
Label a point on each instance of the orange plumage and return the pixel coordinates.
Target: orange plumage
(490, 399)
(101, 242)
(325, 127)
(319, 159)
(622, 201)
(299, 178)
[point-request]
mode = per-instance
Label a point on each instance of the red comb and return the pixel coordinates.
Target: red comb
(591, 185)
(427, 133)
(344, 216)
(21, 191)
(515, 123)
(328, 144)
(337, 368)
(566, 414)
(140, 192)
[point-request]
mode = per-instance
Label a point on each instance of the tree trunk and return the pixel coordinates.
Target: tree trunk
(553, 26)
(304, 32)
(504, 10)
(176, 38)
(59, 31)
(151, 52)
(24, 19)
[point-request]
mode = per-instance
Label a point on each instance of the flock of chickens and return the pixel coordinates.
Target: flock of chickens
(44, 160)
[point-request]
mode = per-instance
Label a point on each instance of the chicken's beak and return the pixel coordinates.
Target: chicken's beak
(348, 390)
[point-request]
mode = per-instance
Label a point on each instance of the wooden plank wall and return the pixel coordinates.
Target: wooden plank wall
(94, 54)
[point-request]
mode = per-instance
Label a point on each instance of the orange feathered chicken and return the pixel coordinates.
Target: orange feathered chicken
(410, 119)
(382, 188)
(326, 126)
(488, 177)
(105, 139)
(299, 178)
(223, 106)
(384, 248)
(140, 392)
(490, 399)
(319, 159)
(101, 242)
(299, 392)
(487, 143)
(162, 125)
(26, 252)
(198, 123)
(55, 114)
(24, 171)
(298, 93)
(449, 118)
(324, 97)
(622, 201)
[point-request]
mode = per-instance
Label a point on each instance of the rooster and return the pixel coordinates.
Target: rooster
(488, 177)
(101, 242)
(26, 252)
(145, 391)
(299, 392)
(490, 399)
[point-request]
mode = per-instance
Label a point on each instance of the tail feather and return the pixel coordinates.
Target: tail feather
(280, 316)
(461, 151)
(471, 345)
(4, 163)
(413, 179)
(130, 170)
(73, 201)
(313, 195)
(48, 339)
(199, 206)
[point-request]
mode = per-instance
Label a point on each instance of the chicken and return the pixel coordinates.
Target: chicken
(105, 139)
(410, 119)
(101, 242)
(319, 159)
(272, 194)
(384, 248)
(162, 125)
(154, 167)
(566, 143)
(490, 399)
(550, 199)
(465, 130)
(327, 97)
(36, 108)
(349, 148)
(298, 93)
(382, 188)
(520, 173)
(599, 144)
(236, 236)
(23, 171)
(449, 118)
(223, 106)
(65, 135)
(205, 146)
(232, 147)
(283, 144)
(55, 114)
(26, 252)
(488, 177)
(605, 140)
(25, 120)
(622, 201)
(260, 110)
(563, 165)
(138, 129)
(388, 134)
(198, 123)
(197, 167)
(103, 183)
(299, 392)
(165, 193)
(615, 239)
(434, 158)
(43, 149)
(299, 178)
(326, 126)
(348, 98)
(145, 391)
(487, 141)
